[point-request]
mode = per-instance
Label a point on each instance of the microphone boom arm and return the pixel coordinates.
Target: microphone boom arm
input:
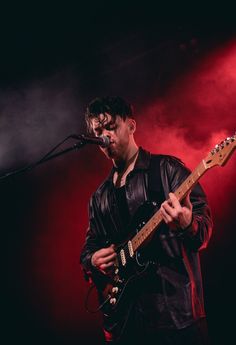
(82, 141)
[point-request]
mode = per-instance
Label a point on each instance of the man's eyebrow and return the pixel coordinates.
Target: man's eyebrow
(104, 125)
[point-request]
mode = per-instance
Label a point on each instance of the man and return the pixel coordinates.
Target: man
(165, 304)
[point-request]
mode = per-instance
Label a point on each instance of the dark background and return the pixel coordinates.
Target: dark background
(176, 63)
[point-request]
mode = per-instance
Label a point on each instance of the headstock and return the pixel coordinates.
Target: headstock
(221, 153)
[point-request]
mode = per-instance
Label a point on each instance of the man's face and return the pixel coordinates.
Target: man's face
(118, 132)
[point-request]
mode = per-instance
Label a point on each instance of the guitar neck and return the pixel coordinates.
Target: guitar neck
(151, 226)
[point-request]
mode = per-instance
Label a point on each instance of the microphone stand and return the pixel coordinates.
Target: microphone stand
(81, 143)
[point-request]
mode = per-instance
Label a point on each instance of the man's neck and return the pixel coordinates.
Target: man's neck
(124, 163)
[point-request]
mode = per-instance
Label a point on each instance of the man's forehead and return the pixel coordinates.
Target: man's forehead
(102, 120)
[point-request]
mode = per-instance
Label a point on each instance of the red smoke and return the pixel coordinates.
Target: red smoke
(196, 114)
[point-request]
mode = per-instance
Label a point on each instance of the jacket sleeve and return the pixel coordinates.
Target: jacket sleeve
(196, 236)
(93, 241)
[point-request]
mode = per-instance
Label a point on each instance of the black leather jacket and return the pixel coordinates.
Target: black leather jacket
(179, 299)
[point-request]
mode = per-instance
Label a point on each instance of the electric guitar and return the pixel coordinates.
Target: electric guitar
(129, 267)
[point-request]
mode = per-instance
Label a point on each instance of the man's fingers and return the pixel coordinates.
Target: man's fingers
(166, 216)
(106, 251)
(186, 201)
(174, 201)
(105, 266)
(104, 256)
(173, 212)
(106, 259)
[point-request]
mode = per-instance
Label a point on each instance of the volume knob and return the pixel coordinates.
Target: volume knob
(115, 289)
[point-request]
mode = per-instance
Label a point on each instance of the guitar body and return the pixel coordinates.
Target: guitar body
(130, 272)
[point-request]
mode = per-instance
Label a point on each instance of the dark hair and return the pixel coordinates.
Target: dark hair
(111, 105)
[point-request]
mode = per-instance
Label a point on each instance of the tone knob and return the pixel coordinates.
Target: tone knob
(113, 301)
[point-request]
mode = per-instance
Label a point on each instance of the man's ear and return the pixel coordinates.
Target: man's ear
(132, 125)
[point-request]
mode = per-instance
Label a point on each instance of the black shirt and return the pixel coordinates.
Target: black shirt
(122, 208)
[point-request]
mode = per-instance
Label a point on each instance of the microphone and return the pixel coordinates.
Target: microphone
(103, 141)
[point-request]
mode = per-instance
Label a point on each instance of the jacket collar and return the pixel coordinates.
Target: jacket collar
(142, 162)
(143, 159)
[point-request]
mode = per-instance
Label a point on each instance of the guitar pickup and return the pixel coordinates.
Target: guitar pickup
(123, 258)
(130, 247)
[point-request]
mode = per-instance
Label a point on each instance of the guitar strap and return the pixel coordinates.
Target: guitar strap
(155, 187)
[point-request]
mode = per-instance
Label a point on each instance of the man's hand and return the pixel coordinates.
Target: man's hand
(175, 214)
(104, 259)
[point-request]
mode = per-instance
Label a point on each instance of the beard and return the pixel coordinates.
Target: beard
(110, 152)
(116, 150)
